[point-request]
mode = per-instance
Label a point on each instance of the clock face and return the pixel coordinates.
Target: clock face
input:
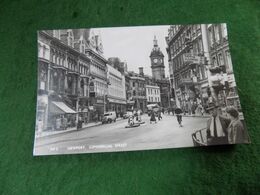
(155, 60)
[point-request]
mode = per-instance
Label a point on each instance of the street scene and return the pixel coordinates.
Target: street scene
(136, 88)
(115, 137)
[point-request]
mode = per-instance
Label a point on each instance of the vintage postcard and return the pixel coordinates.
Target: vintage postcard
(136, 88)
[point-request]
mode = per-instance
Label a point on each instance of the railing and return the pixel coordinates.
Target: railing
(199, 137)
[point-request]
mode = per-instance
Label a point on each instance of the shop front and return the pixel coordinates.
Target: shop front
(61, 116)
(42, 113)
(117, 105)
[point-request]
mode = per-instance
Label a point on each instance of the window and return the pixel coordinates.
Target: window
(82, 47)
(211, 37)
(216, 30)
(224, 30)
(56, 34)
(229, 62)
(214, 61)
(220, 59)
(200, 48)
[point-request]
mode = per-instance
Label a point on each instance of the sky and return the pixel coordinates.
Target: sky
(134, 45)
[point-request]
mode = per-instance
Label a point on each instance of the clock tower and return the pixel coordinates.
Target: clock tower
(157, 61)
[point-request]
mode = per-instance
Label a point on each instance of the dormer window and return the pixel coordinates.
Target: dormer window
(82, 46)
(56, 34)
(70, 38)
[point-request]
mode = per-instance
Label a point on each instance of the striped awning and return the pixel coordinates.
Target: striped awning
(60, 108)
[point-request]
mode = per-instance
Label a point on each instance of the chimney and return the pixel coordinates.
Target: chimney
(141, 71)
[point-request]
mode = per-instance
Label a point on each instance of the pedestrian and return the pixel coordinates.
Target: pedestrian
(217, 126)
(159, 115)
(153, 119)
(236, 131)
(178, 113)
(202, 110)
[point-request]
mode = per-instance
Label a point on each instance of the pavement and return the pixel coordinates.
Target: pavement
(53, 132)
(197, 115)
(115, 137)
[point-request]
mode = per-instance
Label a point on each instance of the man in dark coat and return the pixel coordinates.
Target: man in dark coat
(217, 127)
(178, 113)
(152, 119)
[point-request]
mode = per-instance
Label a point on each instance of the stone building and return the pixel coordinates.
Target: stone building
(221, 69)
(116, 91)
(187, 65)
(153, 94)
(200, 66)
(136, 92)
(70, 63)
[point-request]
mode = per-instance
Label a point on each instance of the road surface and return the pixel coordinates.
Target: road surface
(115, 137)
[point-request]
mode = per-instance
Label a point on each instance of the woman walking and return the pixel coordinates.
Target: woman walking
(152, 119)
(236, 131)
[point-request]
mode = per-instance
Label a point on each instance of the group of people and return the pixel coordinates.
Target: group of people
(154, 114)
(178, 112)
(225, 130)
(220, 129)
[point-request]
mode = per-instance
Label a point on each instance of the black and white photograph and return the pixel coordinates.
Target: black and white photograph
(136, 88)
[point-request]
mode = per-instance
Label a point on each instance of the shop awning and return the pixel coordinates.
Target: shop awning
(60, 108)
(153, 105)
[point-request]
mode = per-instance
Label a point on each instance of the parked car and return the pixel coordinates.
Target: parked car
(127, 114)
(109, 117)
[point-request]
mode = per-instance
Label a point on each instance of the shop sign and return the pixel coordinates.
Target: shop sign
(99, 101)
(191, 58)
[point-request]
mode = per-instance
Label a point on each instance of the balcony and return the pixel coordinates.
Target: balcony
(217, 69)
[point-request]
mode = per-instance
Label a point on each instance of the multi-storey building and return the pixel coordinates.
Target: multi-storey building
(221, 69)
(188, 74)
(69, 62)
(136, 92)
(116, 91)
(153, 94)
(200, 65)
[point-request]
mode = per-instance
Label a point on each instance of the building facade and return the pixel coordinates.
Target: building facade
(153, 94)
(116, 91)
(200, 66)
(187, 66)
(221, 69)
(136, 92)
(67, 71)
(63, 76)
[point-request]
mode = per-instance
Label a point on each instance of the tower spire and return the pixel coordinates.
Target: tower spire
(155, 44)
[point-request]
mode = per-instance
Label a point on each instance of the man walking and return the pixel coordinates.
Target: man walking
(217, 127)
(178, 113)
